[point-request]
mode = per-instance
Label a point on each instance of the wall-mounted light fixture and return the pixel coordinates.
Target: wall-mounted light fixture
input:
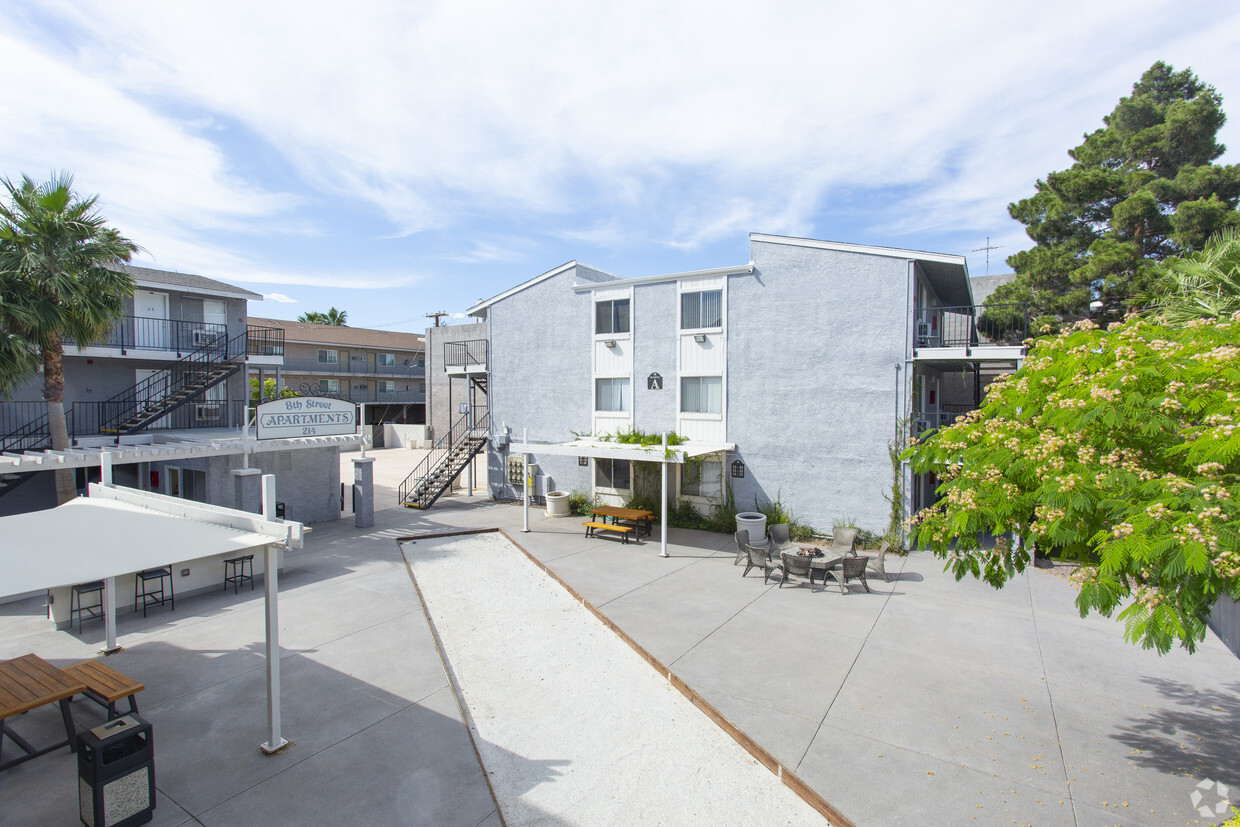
(609, 342)
(699, 337)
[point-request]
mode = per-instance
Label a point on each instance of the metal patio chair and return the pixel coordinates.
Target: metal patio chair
(792, 564)
(850, 568)
(759, 560)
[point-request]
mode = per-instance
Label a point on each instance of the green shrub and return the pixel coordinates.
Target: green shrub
(686, 515)
(580, 503)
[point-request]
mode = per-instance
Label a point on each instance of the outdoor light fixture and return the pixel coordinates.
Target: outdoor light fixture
(699, 337)
(609, 342)
(583, 461)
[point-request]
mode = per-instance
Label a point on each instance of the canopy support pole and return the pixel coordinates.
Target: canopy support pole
(663, 520)
(525, 484)
(271, 588)
(109, 616)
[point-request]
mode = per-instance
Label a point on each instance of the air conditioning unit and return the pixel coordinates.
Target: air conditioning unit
(920, 426)
(208, 410)
(923, 332)
(204, 337)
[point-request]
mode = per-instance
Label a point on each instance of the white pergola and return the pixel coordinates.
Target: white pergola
(602, 449)
(116, 531)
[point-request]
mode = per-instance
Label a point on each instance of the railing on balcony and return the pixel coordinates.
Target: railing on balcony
(969, 326)
(264, 341)
(467, 355)
(355, 367)
(926, 421)
(145, 333)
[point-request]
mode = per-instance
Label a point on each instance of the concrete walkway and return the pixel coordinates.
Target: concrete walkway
(929, 701)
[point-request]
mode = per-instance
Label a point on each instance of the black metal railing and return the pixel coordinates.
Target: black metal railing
(264, 341)
(969, 326)
(471, 353)
(467, 426)
(147, 333)
(354, 367)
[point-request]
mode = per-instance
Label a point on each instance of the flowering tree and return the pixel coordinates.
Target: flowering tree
(1116, 447)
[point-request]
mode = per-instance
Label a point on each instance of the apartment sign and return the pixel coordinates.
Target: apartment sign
(303, 416)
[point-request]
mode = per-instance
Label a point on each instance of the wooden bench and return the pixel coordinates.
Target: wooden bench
(622, 530)
(105, 686)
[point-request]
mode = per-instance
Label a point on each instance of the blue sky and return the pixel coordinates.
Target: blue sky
(396, 158)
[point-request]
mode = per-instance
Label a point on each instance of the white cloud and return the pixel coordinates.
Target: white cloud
(604, 124)
(279, 298)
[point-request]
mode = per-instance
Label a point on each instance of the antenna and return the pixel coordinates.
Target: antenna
(436, 316)
(987, 248)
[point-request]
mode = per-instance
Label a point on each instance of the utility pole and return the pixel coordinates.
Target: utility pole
(436, 316)
(987, 248)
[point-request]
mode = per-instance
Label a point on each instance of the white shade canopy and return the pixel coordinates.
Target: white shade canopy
(90, 539)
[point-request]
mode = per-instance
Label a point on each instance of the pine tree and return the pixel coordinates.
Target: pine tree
(1141, 189)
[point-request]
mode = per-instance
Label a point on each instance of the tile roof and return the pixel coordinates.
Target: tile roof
(189, 281)
(325, 334)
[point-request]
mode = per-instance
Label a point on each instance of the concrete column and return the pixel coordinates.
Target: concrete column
(248, 489)
(364, 492)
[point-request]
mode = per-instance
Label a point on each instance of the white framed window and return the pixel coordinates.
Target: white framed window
(612, 473)
(386, 360)
(328, 357)
(329, 386)
(611, 394)
(708, 482)
(611, 316)
(701, 309)
(701, 394)
(387, 386)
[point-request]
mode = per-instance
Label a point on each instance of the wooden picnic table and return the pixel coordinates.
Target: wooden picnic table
(637, 516)
(27, 683)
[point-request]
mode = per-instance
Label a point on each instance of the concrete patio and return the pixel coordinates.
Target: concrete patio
(928, 701)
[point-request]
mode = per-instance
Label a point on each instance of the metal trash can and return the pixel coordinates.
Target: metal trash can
(116, 773)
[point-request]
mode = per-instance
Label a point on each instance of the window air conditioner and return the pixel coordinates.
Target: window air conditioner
(208, 411)
(204, 337)
(923, 332)
(920, 426)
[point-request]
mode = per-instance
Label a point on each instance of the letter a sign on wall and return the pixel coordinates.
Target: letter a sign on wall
(306, 416)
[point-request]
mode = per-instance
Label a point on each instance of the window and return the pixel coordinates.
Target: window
(187, 483)
(611, 473)
(703, 308)
(611, 316)
(329, 386)
(611, 394)
(701, 394)
(708, 482)
(386, 360)
(387, 386)
(327, 357)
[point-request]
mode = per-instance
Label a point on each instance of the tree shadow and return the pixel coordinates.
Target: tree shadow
(1197, 733)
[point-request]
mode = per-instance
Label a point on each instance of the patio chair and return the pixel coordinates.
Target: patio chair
(792, 564)
(843, 539)
(877, 564)
(759, 560)
(850, 568)
(742, 543)
(781, 538)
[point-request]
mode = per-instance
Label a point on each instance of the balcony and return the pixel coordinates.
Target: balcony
(924, 422)
(466, 357)
(150, 334)
(264, 341)
(354, 368)
(956, 332)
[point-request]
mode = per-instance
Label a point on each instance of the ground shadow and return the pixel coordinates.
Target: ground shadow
(1197, 733)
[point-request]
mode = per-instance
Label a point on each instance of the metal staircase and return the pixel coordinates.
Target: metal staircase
(159, 395)
(445, 462)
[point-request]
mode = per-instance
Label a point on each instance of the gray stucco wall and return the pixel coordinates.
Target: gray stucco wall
(1225, 621)
(440, 404)
(813, 340)
(540, 376)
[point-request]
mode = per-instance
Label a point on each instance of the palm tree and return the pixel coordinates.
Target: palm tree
(333, 317)
(1199, 285)
(58, 277)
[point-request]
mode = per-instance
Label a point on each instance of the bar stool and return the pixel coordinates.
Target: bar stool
(235, 572)
(93, 611)
(153, 595)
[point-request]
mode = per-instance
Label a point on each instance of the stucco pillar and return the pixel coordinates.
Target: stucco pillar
(364, 492)
(248, 489)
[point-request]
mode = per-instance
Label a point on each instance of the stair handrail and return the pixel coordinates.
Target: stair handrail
(465, 424)
(156, 389)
